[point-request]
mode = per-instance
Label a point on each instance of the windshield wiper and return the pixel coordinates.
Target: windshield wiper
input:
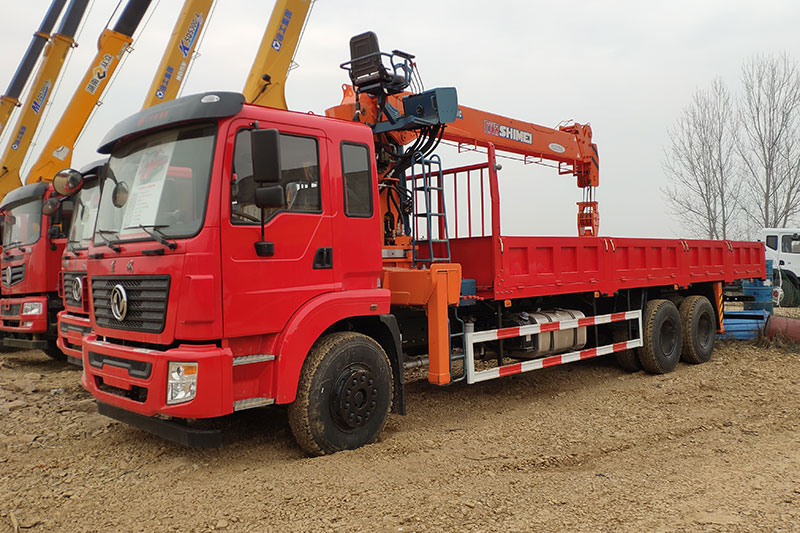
(108, 242)
(154, 230)
(16, 244)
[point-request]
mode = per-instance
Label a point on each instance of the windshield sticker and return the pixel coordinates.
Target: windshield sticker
(145, 195)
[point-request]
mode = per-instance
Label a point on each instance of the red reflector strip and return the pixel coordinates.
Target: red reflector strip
(510, 369)
(507, 333)
(549, 326)
(588, 321)
(616, 317)
(551, 361)
(588, 354)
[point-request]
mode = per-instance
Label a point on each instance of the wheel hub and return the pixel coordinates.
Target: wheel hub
(356, 397)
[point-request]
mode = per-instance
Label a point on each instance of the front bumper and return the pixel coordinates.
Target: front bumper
(14, 321)
(135, 379)
(71, 329)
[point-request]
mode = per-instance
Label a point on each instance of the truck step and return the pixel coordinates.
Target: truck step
(249, 403)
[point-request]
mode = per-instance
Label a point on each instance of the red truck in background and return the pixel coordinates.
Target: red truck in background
(73, 320)
(30, 264)
(307, 260)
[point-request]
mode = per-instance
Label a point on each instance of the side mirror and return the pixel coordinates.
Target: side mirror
(269, 197)
(265, 151)
(119, 195)
(50, 206)
(68, 182)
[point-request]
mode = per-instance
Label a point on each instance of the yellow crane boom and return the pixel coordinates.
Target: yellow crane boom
(54, 55)
(111, 47)
(266, 83)
(178, 54)
(11, 97)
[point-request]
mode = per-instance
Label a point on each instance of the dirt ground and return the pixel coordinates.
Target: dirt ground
(583, 447)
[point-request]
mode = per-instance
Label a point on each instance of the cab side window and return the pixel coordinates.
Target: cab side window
(772, 241)
(790, 245)
(299, 178)
(356, 180)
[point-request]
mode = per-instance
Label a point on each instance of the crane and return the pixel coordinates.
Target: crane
(11, 97)
(111, 47)
(266, 82)
(54, 54)
(178, 54)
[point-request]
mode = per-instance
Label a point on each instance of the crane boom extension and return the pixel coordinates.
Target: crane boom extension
(570, 146)
(11, 98)
(178, 54)
(266, 82)
(111, 47)
(54, 56)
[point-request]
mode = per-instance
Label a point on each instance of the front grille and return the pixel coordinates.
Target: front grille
(13, 274)
(69, 280)
(10, 310)
(146, 302)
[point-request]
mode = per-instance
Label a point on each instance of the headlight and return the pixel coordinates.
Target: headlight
(32, 308)
(181, 382)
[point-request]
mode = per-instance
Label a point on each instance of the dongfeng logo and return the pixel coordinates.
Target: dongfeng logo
(77, 288)
(119, 302)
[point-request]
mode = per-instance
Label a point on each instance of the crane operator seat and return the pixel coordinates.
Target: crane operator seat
(368, 73)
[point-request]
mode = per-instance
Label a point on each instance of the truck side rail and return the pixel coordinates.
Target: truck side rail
(471, 337)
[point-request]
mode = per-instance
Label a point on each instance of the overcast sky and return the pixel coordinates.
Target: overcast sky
(628, 68)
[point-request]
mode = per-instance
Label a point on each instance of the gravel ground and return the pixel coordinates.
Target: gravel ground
(583, 447)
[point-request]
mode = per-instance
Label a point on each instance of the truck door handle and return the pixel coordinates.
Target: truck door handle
(323, 258)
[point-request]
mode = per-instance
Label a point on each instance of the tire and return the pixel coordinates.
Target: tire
(53, 352)
(699, 327)
(661, 349)
(341, 366)
(629, 359)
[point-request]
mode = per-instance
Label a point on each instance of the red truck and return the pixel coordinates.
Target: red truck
(30, 265)
(73, 320)
(307, 260)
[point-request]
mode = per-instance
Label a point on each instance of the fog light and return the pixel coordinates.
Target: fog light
(27, 324)
(32, 308)
(181, 382)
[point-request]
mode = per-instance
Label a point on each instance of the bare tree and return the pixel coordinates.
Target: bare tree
(769, 146)
(701, 166)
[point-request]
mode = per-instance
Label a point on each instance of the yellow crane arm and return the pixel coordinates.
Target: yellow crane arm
(179, 52)
(11, 98)
(111, 47)
(53, 57)
(266, 82)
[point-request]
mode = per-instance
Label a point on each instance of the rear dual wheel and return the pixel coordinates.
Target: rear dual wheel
(662, 340)
(671, 335)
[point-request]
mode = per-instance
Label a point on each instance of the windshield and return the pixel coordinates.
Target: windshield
(157, 182)
(83, 217)
(22, 224)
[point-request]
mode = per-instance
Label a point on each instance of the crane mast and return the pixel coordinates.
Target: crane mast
(11, 97)
(54, 55)
(178, 54)
(266, 82)
(111, 47)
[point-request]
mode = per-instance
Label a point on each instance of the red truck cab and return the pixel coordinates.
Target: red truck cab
(30, 264)
(73, 320)
(188, 319)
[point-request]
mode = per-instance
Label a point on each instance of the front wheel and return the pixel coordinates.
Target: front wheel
(54, 352)
(662, 341)
(344, 394)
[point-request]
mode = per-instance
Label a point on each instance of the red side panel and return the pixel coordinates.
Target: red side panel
(541, 266)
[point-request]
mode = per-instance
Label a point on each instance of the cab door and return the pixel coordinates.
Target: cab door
(261, 293)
